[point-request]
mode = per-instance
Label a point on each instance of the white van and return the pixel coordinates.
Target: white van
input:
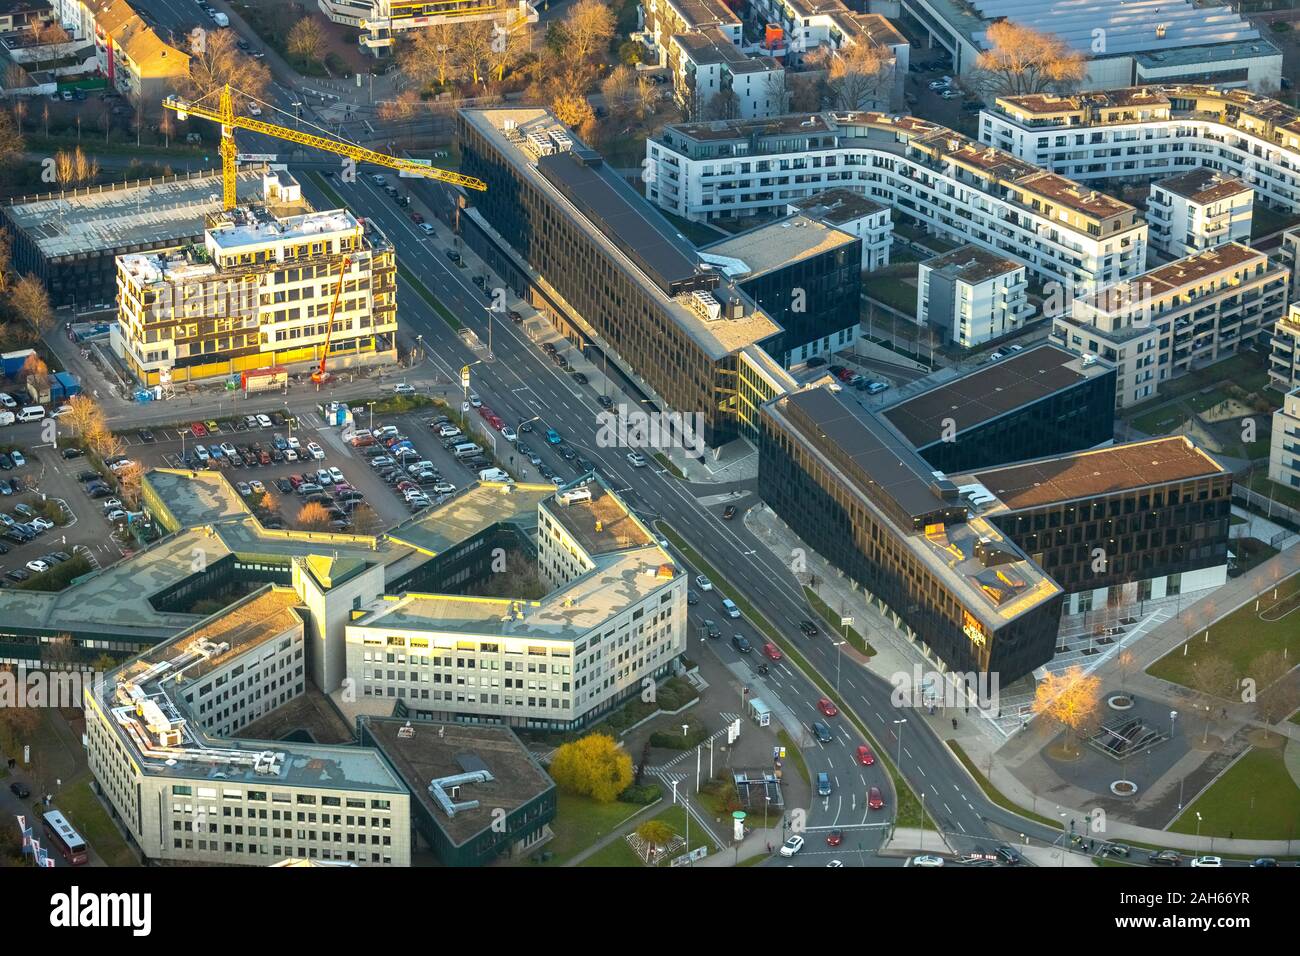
(32, 413)
(493, 474)
(466, 449)
(6, 418)
(730, 607)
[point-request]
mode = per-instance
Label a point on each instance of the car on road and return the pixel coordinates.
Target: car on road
(401, 388)
(835, 838)
(741, 643)
(874, 800)
(1009, 855)
(792, 846)
(711, 628)
(822, 731)
(728, 512)
(1210, 861)
(426, 228)
(771, 651)
(19, 790)
(636, 459)
(703, 583)
(808, 628)
(924, 861)
(1166, 858)
(865, 756)
(1264, 861)
(823, 784)
(827, 708)
(509, 434)
(692, 598)
(729, 606)
(605, 402)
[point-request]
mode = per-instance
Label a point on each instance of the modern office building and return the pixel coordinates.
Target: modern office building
(857, 215)
(478, 795)
(381, 23)
(805, 274)
(972, 295)
(1043, 400)
(611, 274)
(1284, 447)
(161, 743)
(259, 291)
(1117, 525)
(70, 239)
(1177, 317)
(1124, 43)
(1284, 351)
(1141, 133)
(612, 620)
(1198, 210)
(950, 580)
(932, 177)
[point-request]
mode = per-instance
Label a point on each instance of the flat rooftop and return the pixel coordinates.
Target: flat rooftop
(1203, 185)
(776, 245)
(699, 13)
(972, 264)
(474, 509)
(245, 227)
(601, 525)
(1088, 474)
(838, 206)
(123, 216)
(1172, 277)
(431, 752)
(988, 392)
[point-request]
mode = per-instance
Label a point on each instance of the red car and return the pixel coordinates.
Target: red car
(295, 480)
(198, 430)
(835, 838)
(772, 651)
(485, 412)
(874, 800)
(827, 708)
(865, 756)
(417, 218)
(847, 375)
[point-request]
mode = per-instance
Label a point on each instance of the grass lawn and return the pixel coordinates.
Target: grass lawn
(1251, 552)
(893, 292)
(1259, 481)
(992, 792)
(1255, 800)
(619, 853)
(580, 822)
(88, 816)
(1239, 638)
(1265, 221)
(792, 753)
(1203, 401)
(1160, 421)
(832, 620)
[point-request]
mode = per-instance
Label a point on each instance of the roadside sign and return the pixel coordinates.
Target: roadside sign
(464, 376)
(403, 174)
(846, 622)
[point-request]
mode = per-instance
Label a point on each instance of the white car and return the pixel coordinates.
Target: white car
(257, 487)
(254, 109)
(124, 463)
(475, 401)
(43, 523)
(703, 583)
(7, 400)
(264, 421)
(444, 488)
(290, 455)
(426, 228)
(941, 84)
(924, 861)
(228, 450)
(401, 388)
(1211, 861)
(18, 459)
(315, 451)
(337, 476)
(383, 461)
(324, 478)
(115, 516)
(636, 459)
(949, 94)
(294, 443)
(792, 846)
(508, 433)
(37, 567)
(111, 504)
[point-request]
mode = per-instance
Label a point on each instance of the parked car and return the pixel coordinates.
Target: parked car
(792, 846)
(1166, 858)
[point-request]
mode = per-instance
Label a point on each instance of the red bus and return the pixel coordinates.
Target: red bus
(65, 839)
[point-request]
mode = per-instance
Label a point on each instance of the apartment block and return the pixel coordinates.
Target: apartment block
(161, 744)
(1198, 210)
(381, 23)
(1284, 448)
(950, 186)
(1284, 350)
(1144, 132)
(972, 295)
(857, 215)
(1184, 315)
(258, 292)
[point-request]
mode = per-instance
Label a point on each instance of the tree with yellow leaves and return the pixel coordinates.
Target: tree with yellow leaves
(313, 517)
(593, 766)
(1020, 60)
(1069, 698)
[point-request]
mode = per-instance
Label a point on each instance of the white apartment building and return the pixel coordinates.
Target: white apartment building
(857, 215)
(1198, 210)
(258, 292)
(1284, 351)
(159, 744)
(1289, 255)
(945, 183)
(613, 619)
(1145, 132)
(1180, 316)
(972, 295)
(381, 22)
(1284, 449)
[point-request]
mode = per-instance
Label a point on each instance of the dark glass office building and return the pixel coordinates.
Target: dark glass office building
(848, 485)
(1043, 401)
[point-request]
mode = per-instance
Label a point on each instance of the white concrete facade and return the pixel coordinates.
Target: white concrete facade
(1182, 224)
(1284, 449)
(972, 297)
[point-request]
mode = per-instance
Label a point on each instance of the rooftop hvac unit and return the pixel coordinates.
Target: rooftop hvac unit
(540, 143)
(563, 141)
(509, 125)
(1089, 359)
(705, 305)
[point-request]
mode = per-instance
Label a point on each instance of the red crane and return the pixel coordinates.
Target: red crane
(321, 375)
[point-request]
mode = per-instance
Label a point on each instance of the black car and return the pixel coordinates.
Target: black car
(4, 548)
(99, 491)
(16, 485)
(711, 627)
(453, 255)
(145, 436)
(17, 574)
(605, 402)
(741, 643)
(515, 317)
(816, 362)
(478, 281)
(568, 453)
(89, 476)
(809, 628)
(1008, 855)
(1166, 858)
(548, 348)
(19, 790)
(580, 378)
(728, 512)
(6, 462)
(71, 453)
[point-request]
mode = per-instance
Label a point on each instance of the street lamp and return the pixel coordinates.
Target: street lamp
(899, 724)
(371, 406)
(839, 658)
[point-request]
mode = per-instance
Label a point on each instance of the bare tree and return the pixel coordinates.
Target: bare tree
(778, 92)
(1213, 679)
(1274, 698)
(313, 517)
(859, 77)
(84, 416)
(429, 55)
(31, 303)
(1020, 60)
(722, 105)
(217, 62)
(509, 42)
(306, 40)
(620, 92)
(806, 92)
(473, 50)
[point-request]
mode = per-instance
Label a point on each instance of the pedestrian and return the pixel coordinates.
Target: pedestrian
(769, 846)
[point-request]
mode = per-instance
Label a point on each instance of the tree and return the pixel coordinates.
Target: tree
(129, 479)
(217, 62)
(403, 107)
(6, 258)
(1213, 679)
(73, 168)
(620, 92)
(51, 33)
(1068, 698)
(574, 111)
(805, 92)
(11, 140)
(1272, 695)
(589, 26)
(166, 126)
(593, 766)
(859, 77)
(722, 105)
(631, 52)
(656, 833)
(84, 416)
(473, 50)
(509, 43)
(105, 444)
(428, 55)
(306, 40)
(1020, 60)
(313, 517)
(778, 91)
(31, 303)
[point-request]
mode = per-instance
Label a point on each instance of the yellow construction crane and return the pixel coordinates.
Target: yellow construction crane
(225, 115)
